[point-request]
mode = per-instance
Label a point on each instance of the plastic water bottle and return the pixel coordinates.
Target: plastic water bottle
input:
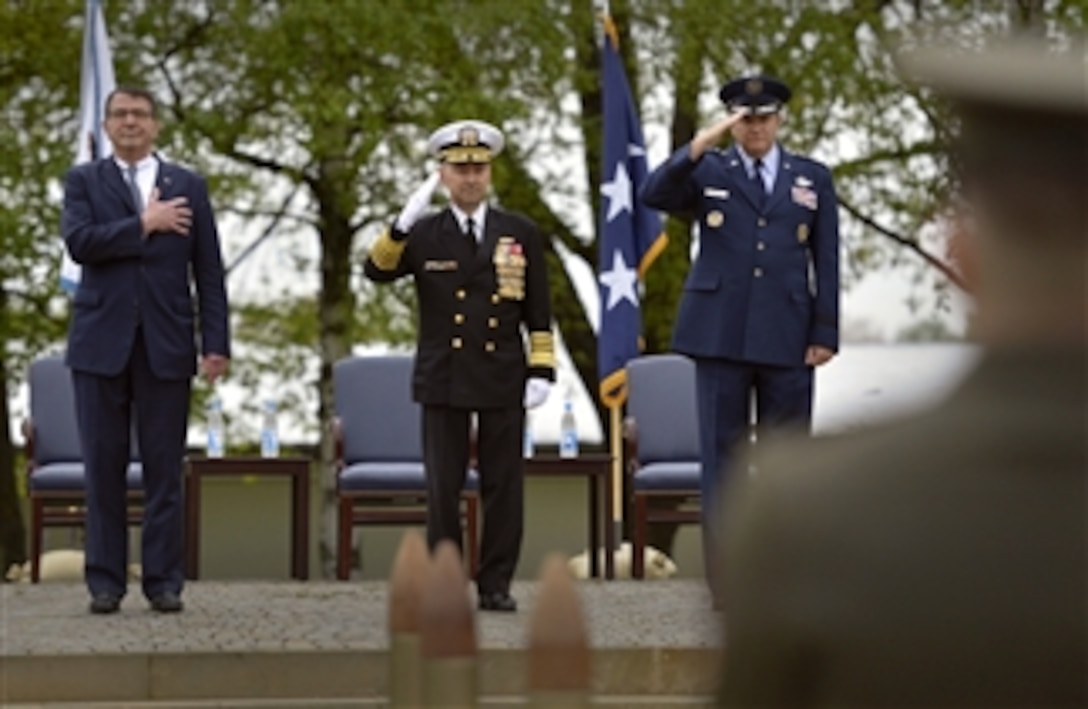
(216, 439)
(527, 446)
(270, 437)
(568, 432)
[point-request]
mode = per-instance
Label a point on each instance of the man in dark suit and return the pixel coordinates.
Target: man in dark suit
(480, 279)
(760, 308)
(144, 232)
(939, 561)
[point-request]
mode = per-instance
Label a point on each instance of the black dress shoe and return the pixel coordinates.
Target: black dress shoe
(105, 603)
(166, 602)
(498, 601)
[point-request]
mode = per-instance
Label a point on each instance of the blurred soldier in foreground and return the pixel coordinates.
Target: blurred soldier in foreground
(941, 560)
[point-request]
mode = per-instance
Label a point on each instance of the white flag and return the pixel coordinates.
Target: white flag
(96, 81)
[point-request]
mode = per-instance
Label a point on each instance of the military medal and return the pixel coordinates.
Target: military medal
(509, 260)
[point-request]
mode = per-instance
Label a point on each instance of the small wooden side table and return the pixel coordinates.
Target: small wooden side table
(298, 469)
(596, 468)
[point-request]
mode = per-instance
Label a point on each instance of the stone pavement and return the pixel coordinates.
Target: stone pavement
(326, 641)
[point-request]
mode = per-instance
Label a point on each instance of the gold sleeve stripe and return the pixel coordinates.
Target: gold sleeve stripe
(541, 349)
(386, 253)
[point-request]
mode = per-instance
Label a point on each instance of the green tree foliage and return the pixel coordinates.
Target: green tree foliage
(36, 86)
(929, 330)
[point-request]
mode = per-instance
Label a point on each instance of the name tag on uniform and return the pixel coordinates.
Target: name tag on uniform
(434, 265)
(715, 193)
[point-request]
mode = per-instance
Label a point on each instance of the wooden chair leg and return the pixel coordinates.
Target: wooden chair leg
(638, 546)
(37, 512)
(343, 539)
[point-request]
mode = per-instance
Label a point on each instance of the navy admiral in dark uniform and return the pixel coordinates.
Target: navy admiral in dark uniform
(481, 280)
(760, 307)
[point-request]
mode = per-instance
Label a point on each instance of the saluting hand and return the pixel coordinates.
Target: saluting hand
(172, 215)
(713, 134)
(417, 203)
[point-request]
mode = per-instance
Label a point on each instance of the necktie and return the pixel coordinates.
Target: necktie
(758, 183)
(134, 188)
(470, 232)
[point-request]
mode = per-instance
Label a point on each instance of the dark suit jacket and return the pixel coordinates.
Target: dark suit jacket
(128, 280)
(939, 561)
(472, 306)
(749, 296)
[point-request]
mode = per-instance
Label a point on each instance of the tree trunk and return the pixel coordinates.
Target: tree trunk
(336, 306)
(665, 280)
(12, 531)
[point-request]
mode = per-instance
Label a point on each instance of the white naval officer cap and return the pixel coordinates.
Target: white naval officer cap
(466, 141)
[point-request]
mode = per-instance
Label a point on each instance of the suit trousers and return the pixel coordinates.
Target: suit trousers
(732, 398)
(501, 468)
(105, 406)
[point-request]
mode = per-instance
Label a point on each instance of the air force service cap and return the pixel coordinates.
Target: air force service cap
(468, 141)
(763, 95)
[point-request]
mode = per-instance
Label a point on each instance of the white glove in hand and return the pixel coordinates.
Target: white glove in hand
(416, 203)
(536, 392)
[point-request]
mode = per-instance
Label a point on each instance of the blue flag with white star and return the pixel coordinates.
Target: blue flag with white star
(631, 235)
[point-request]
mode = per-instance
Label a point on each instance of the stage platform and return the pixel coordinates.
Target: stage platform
(323, 644)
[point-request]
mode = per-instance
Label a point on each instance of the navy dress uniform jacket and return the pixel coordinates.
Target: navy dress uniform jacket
(765, 284)
(128, 280)
(472, 305)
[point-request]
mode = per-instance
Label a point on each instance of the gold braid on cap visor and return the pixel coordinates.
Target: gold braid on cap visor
(458, 154)
(386, 253)
(541, 349)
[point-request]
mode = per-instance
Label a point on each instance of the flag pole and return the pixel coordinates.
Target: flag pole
(603, 11)
(617, 473)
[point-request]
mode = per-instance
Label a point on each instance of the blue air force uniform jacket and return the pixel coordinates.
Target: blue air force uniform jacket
(472, 306)
(765, 284)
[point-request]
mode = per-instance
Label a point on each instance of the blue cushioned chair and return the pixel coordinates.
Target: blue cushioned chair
(661, 435)
(380, 478)
(55, 472)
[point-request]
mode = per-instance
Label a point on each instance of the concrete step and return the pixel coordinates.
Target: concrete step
(663, 702)
(359, 677)
(316, 644)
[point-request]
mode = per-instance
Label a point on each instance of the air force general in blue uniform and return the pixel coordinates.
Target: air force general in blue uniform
(760, 307)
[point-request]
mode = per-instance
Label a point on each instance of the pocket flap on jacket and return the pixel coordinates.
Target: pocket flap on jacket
(702, 281)
(86, 297)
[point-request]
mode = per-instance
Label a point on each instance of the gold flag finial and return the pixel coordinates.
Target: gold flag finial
(610, 30)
